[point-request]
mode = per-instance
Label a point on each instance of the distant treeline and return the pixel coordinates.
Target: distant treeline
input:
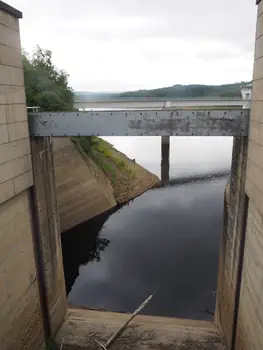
(175, 91)
(228, 90)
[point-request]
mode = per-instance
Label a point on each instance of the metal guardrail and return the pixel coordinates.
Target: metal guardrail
(157, 99)
(151, 99)
(33, 109)
(141, 122)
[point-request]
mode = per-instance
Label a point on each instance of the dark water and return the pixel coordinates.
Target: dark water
(167, 241)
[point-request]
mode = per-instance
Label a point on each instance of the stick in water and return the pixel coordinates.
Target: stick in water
(121, 329)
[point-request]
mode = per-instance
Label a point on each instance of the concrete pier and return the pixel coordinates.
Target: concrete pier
(165, 163)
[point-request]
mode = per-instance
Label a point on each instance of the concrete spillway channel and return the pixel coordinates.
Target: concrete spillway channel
(145, 332)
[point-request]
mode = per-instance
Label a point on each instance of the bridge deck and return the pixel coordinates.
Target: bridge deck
(141, 122)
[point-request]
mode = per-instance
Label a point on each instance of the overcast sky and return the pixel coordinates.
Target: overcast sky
(113, 45)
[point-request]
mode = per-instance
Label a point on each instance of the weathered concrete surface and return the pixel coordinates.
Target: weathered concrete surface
(145, 332)
(250, 315)
(233, 230)
(83, 191)
(15, 160)
(49, 232)
(20, 313)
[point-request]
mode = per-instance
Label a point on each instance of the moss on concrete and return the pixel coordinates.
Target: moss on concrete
(128, 179)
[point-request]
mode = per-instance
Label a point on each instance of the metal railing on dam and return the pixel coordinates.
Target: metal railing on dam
(157, 102)
(157, 98)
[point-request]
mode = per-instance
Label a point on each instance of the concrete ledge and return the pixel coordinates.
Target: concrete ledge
(145, 332)
(10, 10)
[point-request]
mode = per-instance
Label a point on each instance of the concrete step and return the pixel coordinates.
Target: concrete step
(82, 327)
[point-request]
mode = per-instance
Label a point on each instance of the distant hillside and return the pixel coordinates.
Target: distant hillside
(228, 90)
(175, 91)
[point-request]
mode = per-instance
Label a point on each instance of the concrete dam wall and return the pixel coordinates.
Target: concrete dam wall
(83, 191)
(86, 189)
(33, 305)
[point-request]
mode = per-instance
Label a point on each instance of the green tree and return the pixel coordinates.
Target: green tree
(45, 85)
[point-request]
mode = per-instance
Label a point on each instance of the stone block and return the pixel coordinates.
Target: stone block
(17, 131)
(23, 181)
(256, 132)
(260, 8)
(9, 20)
(10, 56)
(16, 113)
(22, 165)
(20, 270)
(257, 90)
(11, 75)
(258, 69)
(255, 154)
(14, 232)
(15, 168)
(259, 28)
(10, 94)
(6, 171)
(257, 111)
(255, 218)
(17, 206)
(3, 134)
(13, 150)
(258, 48)
(6, 190)
(9, 37)
(3, 118)
(255, 174)
(254, 194)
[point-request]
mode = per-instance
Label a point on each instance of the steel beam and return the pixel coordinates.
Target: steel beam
(141, 122)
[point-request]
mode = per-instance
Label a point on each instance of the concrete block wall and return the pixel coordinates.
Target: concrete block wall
(231, 238)
(49, 232)
(20, 315)
(20, 311)
(15, 161)
(250, 314)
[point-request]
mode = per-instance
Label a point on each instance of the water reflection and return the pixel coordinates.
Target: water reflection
(166, 240)
(82, 244)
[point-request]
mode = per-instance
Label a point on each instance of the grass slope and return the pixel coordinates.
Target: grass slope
(128, 179)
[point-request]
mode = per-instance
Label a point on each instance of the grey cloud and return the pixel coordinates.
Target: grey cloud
(171, 36)
(232, 21)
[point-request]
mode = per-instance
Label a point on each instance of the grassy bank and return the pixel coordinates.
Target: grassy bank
(128, 179)
(104, 155)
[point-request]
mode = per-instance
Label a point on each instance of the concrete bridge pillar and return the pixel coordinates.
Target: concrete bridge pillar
(232, 243)
(48, 244)
(165, 164)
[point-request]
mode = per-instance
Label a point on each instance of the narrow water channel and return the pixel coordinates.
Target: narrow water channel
(167, 240)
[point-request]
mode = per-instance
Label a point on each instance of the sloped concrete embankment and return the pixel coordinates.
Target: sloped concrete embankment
(88, 186)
